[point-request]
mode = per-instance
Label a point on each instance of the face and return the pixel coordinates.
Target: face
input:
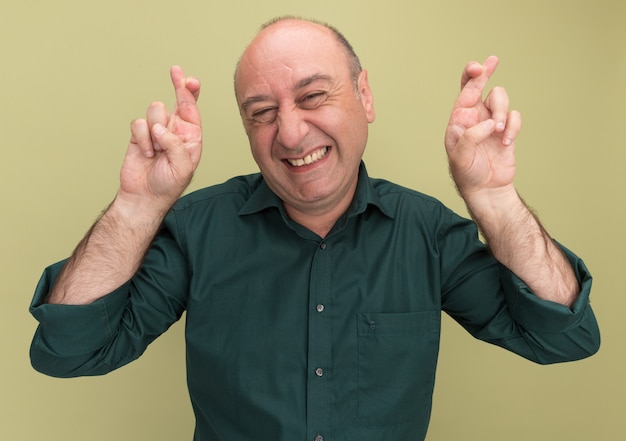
(306, 119)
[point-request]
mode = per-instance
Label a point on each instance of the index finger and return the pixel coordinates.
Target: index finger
(187, 90)
(474, 80)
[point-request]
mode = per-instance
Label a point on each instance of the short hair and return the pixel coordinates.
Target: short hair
(354, 64)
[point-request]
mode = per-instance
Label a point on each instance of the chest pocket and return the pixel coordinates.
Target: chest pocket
(397, 358)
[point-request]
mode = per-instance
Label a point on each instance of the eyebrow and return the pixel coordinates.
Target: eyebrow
(253, 99)
(313, 78)
(299, 85)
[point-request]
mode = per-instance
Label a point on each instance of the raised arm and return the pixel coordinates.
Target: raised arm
(480, 143)
(163, 153)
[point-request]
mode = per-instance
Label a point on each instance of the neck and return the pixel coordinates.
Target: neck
(319, 216)
(319, 220)
(319, 224)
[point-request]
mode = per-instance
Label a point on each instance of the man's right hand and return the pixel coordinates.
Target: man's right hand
(164, 149)
(163, 153)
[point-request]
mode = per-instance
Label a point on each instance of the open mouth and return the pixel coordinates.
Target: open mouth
(309, 159)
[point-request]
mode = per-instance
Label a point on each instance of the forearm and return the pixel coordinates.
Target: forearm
(110, 253)
(517, 239)
(162, 155)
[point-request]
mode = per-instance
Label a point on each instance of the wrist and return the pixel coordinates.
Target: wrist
(493, 203)
(134, 209)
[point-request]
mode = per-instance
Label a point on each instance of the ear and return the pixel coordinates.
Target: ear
(365, 95)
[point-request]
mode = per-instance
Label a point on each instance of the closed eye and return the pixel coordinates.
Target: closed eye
(312, 100)
(264, 115)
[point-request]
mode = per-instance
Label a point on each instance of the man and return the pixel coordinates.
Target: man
(313, 292)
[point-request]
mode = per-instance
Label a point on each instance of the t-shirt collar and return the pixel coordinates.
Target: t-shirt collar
(263, 198)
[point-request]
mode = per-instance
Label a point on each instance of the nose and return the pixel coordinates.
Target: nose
(291, 128)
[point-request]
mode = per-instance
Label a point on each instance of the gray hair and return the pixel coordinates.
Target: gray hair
(353, 60)
(354, 64)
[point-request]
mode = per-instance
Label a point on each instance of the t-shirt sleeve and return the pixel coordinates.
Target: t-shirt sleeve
(538, 315)
(93, 339)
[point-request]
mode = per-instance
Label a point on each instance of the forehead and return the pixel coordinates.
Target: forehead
(285, 53)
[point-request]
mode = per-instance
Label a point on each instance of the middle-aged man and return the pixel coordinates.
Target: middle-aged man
(313, 292)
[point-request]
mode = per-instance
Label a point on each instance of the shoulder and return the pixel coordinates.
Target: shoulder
(420, 213)
(393, 196)
(235, 192)
(415, 209)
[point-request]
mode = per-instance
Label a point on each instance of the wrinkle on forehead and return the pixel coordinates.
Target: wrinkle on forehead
(285, 45)
(283, 52)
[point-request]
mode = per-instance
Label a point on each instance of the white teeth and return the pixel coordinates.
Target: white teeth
(309, 159)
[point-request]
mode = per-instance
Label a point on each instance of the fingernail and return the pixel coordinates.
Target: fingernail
(500, 126)
(158, 129)
(488, 124)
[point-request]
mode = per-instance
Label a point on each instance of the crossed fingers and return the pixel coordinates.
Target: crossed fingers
(146, 132)
(495, 106)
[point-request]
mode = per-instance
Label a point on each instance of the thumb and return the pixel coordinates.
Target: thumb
(480, 132)
(458, 137)
(181, 162)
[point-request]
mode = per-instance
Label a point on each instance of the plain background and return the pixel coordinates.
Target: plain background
(75, 73)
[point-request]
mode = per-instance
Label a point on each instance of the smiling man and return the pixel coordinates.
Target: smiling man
(305, 109)
(313, 292)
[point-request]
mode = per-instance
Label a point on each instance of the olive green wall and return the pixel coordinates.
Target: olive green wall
(74, 73)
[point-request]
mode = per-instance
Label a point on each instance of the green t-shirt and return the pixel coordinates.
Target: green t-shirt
(293, 337)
